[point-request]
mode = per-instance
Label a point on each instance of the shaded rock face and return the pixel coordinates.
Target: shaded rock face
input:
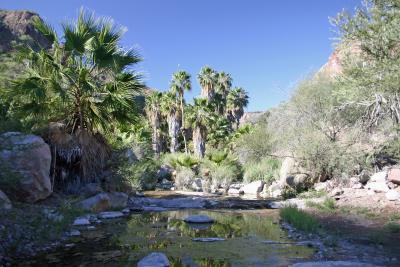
(16, 28)
(251, 117)
(25, 167)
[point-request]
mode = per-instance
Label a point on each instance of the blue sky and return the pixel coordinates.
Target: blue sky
(266, 45)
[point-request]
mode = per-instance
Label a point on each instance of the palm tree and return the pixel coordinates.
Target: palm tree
(84, 83)
(224, 84)
(171, 110)
(153, 112)
(207, 79)
(179, 84)
(237, 100)
(200, 116)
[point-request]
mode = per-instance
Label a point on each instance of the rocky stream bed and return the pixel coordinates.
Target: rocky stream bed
(241, 232)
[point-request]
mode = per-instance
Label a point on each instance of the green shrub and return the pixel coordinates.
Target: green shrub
(393, 227)
(299, 219)
(177, 160)
(184, 178)
(266, 170)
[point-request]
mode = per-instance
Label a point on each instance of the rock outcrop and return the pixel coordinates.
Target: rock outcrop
(25, 161)
(104, 201)
(16, 27)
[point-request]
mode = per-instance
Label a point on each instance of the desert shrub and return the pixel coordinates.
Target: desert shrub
(184, 178)
(328, 205)
(299, 219)
(267, 170)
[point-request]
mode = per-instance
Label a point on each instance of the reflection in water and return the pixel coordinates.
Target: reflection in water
(166, 232)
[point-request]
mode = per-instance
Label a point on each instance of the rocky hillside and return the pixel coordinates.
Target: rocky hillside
(16, 29)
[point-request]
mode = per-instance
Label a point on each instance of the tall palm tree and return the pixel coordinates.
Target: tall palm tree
(207, 79)
(224, 84)
(153, 112)
(171, 110)
(237, 100)
(84, 83)
(179, 84)
(200, 116)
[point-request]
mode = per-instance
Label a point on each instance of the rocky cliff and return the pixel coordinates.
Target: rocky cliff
(16, 28)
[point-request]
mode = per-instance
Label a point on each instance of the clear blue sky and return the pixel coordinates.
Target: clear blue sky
(266, 45)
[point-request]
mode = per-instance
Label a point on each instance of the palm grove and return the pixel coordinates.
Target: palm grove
(81, 95)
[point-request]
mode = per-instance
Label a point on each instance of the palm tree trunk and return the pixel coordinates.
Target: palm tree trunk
(173, 129)
(199, 142)
(183, 125)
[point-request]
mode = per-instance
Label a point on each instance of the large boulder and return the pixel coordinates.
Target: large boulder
(5, 203)
(392, 195)
(378, 187)
(197, 185)
(394, 176)
(25, 161)
(288, 167)
(379, 177)
(253, 188)
(104, 201)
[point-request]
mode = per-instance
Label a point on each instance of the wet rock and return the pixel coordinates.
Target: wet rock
(332, 264)
(176, 203)
(198, 219)
(5, 203)
(253, 188)
(154, 259)
(110, 214)
(154, 209)
(394, 176)
(378, 187)
(126, 210)
(392, 195)
(26, 160)
(74, 232)
(81, 221)
(118, 200)
(208, 239)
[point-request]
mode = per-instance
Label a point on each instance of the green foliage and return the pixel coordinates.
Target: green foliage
(328, 205)
(184, 178)
(299, 219)
(392, 227)
(266, 169)
(178, 160)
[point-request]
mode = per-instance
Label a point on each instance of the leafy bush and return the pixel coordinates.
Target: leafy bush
(267, 170)
(299, 219)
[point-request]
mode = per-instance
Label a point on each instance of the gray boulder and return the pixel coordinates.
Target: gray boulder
(154, 259)
(5, 203)
(91, 189)
(379, 177)
(198, 219)
(110, 214)
(104, 201)
(253, 188)
(25, 161)
(197, 185)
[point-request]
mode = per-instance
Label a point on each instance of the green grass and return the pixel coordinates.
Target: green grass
(312, 194)
(299, 219)
(328, 205)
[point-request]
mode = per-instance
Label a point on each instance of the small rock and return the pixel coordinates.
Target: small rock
(357, 186)
(233, 191)
(81, 221)
(74, 232)
(392, 195)
(91, 227)
(198, 219)
(208, 239)
(126, 210)
(154, 259)
(110, 214)
(336, 192)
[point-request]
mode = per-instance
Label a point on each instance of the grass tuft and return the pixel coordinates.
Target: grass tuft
(299, 219)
